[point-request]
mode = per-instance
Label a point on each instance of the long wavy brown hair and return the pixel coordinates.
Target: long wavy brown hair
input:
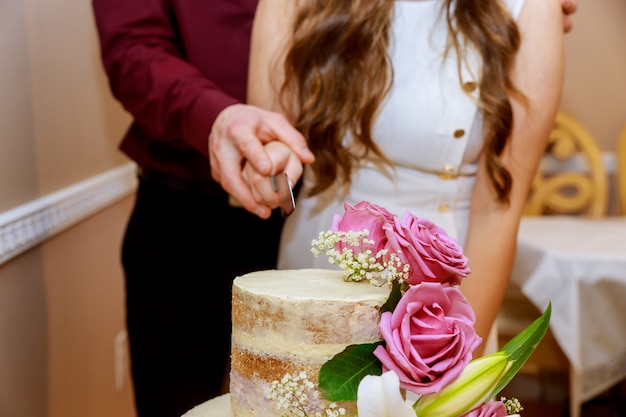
(338, 72)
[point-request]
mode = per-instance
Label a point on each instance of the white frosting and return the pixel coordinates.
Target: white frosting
(302, 350)
(283, 312)
(309, 285)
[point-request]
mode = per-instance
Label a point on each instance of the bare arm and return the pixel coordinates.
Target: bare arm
(270, 32)
(492, 232)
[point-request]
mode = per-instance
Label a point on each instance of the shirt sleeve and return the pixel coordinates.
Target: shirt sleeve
(142, 56)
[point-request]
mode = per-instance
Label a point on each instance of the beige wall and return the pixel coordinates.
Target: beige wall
(85, 314)
(18, 182)
(76, 127)
(61, 303)
(23, 338)
(595, 82)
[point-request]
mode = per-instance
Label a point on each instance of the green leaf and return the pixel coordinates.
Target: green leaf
(523, 345)
(339, 378)
(394, 297)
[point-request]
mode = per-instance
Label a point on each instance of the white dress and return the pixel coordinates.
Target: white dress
(428, 127)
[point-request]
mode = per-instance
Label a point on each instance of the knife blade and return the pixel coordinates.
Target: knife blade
(281, 184)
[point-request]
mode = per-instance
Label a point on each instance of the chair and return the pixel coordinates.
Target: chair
(564, 190)
(560, 188)
(621, 171)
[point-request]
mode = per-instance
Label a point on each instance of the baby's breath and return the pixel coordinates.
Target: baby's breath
(513, 406)
(293, 395)
(363, 264)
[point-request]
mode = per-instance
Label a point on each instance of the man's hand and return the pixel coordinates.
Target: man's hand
(238, 136)
(569, 8)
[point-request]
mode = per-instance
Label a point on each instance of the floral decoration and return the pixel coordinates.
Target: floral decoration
(427, 325)
(429, 337)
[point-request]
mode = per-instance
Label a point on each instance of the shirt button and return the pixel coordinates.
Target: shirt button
(447, 172)
(459, 133)
(444, 208)
(469, 87)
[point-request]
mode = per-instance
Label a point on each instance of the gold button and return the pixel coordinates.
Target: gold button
(444, 208)
(459, 133)
(469, 87)
(447, 172)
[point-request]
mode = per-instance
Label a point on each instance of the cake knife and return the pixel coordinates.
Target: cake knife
(281, 184)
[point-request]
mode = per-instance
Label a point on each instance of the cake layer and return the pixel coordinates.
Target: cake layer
(287, 322)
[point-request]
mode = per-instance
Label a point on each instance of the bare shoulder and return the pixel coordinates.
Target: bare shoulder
(541, 28)
(539, 69)
(541, 14)
(270, 34)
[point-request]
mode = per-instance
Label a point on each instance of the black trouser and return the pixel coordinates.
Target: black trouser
(180, 254)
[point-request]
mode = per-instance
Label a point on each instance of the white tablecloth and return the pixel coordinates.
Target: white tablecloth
(579, 265)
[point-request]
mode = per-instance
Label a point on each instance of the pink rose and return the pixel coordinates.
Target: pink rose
(431, 254)
(429, 337)
(489, 409)
(364, 216)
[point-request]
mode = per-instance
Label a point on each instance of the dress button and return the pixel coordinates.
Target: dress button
(459, 133)
(469, 87)
(444, 208)
(447, 172)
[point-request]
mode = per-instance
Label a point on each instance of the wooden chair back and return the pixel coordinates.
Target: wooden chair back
(568, 190)
(621, 171)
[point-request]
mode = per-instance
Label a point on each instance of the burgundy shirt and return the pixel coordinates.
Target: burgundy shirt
(174, 65)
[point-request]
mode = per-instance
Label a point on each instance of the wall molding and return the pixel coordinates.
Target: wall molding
(33, 223)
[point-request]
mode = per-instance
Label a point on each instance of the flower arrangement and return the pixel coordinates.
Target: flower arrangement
(427, 325)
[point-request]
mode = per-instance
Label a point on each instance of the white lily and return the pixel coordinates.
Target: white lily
(379, 396)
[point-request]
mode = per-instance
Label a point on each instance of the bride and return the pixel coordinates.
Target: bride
(439, 107)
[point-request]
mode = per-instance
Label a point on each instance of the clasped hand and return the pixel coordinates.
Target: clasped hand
(247, 145)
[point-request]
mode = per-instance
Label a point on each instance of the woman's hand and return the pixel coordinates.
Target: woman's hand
(283, 159)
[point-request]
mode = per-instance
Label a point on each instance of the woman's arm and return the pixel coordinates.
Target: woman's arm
(271, 31)
(492, 233)
(241, 133)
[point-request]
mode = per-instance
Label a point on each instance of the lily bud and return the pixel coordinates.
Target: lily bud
(474, 386)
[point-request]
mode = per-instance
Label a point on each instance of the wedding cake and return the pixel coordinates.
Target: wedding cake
(292, 322)
(389, 333)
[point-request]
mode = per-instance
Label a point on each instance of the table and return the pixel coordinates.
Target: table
(579, 264)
